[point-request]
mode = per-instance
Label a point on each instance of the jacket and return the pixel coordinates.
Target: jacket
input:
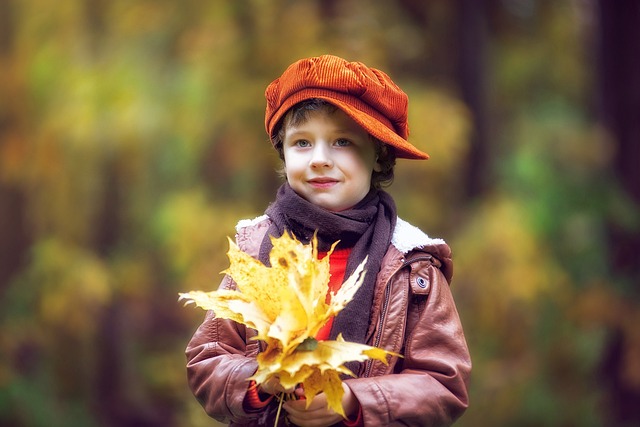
(413, 313)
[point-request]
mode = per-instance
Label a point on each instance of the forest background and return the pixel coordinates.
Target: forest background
(131, 142)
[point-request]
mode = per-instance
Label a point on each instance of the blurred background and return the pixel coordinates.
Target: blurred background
(132, 141)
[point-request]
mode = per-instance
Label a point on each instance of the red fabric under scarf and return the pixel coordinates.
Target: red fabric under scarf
(337, 268)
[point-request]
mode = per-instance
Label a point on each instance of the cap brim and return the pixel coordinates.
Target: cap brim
(403, 148)
(357, 110)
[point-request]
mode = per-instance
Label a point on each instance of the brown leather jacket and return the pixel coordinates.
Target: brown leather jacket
(413, 314)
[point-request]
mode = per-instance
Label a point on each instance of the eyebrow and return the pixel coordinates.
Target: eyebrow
(293, 133)
(347, 131)
(342, 131)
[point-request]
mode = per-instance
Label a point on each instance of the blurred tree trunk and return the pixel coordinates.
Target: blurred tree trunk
(328, 9)
(14, 231)
(466, 60)
(471, 36)
(619, 90)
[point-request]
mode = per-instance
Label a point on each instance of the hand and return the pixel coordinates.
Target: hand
(273, 386)
(318, 414)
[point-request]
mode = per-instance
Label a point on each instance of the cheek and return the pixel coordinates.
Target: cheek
(291, 170)
(364, 162)
(288, 163)
(368, 157)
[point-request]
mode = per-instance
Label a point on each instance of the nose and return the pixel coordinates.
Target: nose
(321, 156)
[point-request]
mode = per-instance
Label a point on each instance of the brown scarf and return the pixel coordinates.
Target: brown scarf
(366, 228)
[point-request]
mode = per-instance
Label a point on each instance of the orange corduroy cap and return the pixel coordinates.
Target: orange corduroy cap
(365, 94)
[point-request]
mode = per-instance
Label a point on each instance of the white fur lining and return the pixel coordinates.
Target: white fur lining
(243, 223)
(407, 237)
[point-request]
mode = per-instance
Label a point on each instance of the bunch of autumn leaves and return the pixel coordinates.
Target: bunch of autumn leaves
(287, 304)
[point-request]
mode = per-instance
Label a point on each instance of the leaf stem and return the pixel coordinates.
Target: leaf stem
(281, 399)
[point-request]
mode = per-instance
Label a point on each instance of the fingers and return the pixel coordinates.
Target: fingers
(316, 415)
(273, 386)
(268, 386)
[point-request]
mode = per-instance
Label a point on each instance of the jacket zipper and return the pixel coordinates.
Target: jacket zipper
(385, 304)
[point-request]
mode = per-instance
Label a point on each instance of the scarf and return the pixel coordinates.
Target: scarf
(366, 229)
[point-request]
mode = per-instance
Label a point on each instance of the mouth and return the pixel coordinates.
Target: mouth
(322, 182)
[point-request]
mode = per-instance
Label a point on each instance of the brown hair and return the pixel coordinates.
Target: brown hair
(299, 113)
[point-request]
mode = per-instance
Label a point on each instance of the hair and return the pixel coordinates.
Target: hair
(299, 113)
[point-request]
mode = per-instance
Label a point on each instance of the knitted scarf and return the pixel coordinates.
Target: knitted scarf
(366, 228)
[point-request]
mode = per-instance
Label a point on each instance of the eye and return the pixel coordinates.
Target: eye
(343, 142)
(302, 143)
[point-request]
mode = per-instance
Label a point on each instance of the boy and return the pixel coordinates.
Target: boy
(338, 127)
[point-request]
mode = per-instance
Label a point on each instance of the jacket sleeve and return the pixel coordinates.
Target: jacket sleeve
(218, 367)
(429, 386)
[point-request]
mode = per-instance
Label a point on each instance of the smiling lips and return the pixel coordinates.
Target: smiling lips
(322, 182)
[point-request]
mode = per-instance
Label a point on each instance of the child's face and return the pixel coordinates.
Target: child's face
(329, 160)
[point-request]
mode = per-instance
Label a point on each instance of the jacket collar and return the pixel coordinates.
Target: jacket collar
(407, 237)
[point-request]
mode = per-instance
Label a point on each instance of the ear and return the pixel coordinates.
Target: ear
(376, 166)
(282, 171)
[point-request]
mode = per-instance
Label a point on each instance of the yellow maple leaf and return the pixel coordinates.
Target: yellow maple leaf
(329, 382)
(287, 305)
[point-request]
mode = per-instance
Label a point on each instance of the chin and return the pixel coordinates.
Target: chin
(333, 208)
